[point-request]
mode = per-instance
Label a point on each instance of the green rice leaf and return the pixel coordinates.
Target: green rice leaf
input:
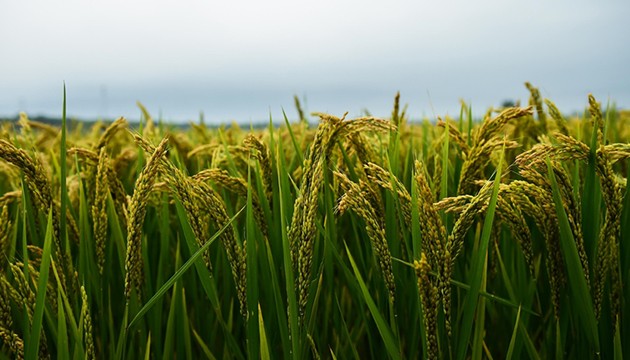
(204, 347)
(386, 333)
(70, 320)
(63, 350)
(618, 349)
(264, 346)
(296, 147)
(147, 349)
(285, 204)
(581, 297)
(32, 347)
(510, 351)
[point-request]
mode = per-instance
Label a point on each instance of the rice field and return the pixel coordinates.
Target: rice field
(344, 238)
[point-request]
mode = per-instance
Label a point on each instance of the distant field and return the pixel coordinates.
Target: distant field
(500, 237)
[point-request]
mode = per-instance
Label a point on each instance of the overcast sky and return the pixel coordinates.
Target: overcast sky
(244, 59)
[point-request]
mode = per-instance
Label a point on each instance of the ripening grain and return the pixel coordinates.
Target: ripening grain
(362, 237)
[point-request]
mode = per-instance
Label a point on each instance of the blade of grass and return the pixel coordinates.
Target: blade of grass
(285, 204)
(147, 349)
(204, 348)
(480, 319)
(532, 350)
(264, 346)
(298, 152)
(87, 260)
(510, 351)
(280, 306)
(618, 350)
(559, 348)
(184, 326)
(74, 328)
(62, 330)
(512, 295)
(345, 332)
(170, 322)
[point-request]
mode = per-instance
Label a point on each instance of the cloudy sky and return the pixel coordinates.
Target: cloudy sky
(242, 60)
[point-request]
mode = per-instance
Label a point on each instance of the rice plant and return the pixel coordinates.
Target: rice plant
(499, 237)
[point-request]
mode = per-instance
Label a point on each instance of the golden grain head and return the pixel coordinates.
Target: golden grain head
(137, 210)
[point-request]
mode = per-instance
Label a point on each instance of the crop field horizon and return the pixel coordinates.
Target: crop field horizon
(346, 238)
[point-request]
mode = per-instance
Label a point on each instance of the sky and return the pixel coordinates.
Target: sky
(245, 60)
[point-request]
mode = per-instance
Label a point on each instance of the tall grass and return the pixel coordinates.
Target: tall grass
(357, 238)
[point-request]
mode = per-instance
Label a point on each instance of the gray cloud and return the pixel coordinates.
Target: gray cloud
(242, 59)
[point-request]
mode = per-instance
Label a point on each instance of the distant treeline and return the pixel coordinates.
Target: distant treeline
(86, 124)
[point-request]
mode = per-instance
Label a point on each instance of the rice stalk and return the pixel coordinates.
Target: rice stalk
(113, 183)
(5, 241)
(202, 149)
(33, 171)
(354, 198)
(555, 114)
(484, 142)
(569, 148)
(510, 213)
(28, 298)
(454, 245)
(302, 231)
(99, 209)
(617, 152)
(429, 298)
(184, 189)
(363, 149)
(569, 202)
(455, 135)
(433, 232)
(385, 180)
(261, 153)
(197, 197)
(109, 133)
(41, 192)
(536, 100)
(607, 259)
(596, 116)
(541, 209)
(148, 131)
(434, 238)
(137, 211)
(238, 186)
(236, 254)
(7, 336)
(181, 144)
(453, 204)
(88, 334)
